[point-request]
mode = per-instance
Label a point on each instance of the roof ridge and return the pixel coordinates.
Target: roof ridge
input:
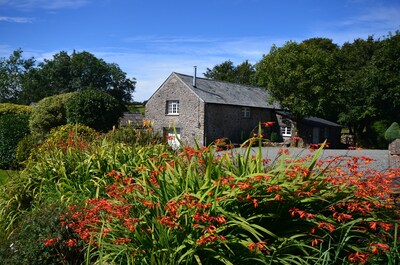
(220, 81)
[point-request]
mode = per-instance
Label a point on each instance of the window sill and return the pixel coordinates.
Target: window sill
(172, 114)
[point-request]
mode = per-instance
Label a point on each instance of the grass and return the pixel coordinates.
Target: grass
(136, 107)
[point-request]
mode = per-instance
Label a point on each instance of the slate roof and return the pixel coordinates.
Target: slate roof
(218, 92)
(132, 118)
(310, 120)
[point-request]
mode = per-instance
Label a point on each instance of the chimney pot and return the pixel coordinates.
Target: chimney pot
(194, 76)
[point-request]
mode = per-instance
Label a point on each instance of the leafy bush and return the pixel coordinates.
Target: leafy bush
(135, 136)
(68, 132)
(13, 127)
(275, 137)
(28, 244)
(379, 128)
(95, 109)
(393, 132)
(24, 148)
(48, 113)
(9, 108)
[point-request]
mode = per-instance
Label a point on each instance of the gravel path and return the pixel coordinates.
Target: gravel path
(381, 157)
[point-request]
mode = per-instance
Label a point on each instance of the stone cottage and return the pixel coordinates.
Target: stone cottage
(200, 110)
(203, 110)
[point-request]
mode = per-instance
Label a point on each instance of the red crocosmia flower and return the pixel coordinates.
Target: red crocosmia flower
(71, 242)
(328, 226)
(342, 217)
(268, 123)
(376, 248)
(50, 242)
(316, 241)
(360, 258)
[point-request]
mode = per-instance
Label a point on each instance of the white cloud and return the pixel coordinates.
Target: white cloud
(375, 21)
(16, 19)
(43, 4)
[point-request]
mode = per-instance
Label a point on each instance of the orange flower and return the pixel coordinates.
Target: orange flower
(358, 257)
(316, 241)
(268, 123)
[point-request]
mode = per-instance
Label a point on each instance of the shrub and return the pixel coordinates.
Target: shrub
(28, 243)
(135, 136)
(9, 108)
(275, 137)
(25, 147)
(95, 109)
(68, 132)
(48, 113)
(13, 127)
(378, 133)
(393, 132)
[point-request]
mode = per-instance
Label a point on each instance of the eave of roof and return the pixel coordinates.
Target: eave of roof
(310, 120)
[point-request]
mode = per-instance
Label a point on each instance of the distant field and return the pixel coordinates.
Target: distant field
(4, 175)
(136, 108)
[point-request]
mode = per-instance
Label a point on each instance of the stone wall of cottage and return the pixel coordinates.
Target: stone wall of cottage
(228, 121)
(190, 120)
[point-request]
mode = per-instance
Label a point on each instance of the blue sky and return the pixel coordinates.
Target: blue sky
(149, 39)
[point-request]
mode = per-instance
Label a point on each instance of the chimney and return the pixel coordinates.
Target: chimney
(194, 76)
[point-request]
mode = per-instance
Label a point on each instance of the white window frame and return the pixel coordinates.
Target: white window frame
(246, 112)
(172, 107)
(286, 131)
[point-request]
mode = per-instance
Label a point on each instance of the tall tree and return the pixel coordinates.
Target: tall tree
(227, 71)
(302, 77)
(76, 72)
(244, 73)
(13, 71)
(359, 95)
(222, 72)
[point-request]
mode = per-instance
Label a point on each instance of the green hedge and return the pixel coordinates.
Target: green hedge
(393, 132)
(13, 127)
(9, 108)
(50, 112)
(95, 109)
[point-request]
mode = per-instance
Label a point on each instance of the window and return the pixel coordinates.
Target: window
(245, 112)
(173, 107)
(286, 131)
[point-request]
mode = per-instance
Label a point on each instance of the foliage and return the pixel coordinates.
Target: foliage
(393, 132)
(24, 148)
(13, 127)
(27, 245)
(13, 72)
(67, 167)
(131, 135)
(48, 113)
(133, 204)
(275, 137)
(76, 72)
(378, 134)
(5, 175)
(69, 132)
(95, 109)
(302, 77)
(23, 81)
(226, 71)
(9, 108)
